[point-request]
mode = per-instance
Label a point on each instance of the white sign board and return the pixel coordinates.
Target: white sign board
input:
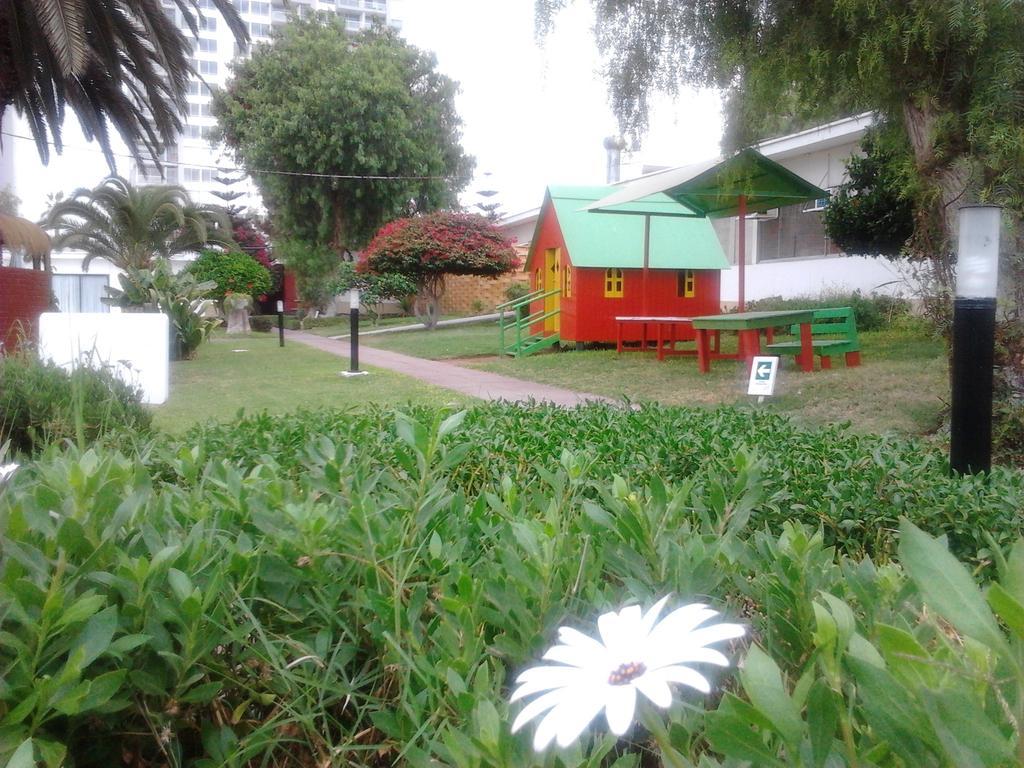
(134, 345)
(762, 376)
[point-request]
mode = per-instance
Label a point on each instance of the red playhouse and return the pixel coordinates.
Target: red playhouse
(641, 261)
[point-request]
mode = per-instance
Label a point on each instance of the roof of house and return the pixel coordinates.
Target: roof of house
(617, 239)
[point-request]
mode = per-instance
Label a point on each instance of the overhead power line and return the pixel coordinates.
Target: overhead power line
(248, 171)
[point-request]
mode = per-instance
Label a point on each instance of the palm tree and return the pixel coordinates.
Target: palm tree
(122, 62)
(132, 226)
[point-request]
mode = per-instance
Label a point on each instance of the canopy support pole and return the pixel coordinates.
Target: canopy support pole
(647, 260)
(741, 255)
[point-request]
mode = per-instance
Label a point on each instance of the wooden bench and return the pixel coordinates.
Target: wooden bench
(833, 332)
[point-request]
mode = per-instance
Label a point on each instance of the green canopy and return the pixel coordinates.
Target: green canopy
(746, 182)
(715, 188)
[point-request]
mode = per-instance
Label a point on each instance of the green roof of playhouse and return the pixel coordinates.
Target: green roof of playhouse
(617, 240)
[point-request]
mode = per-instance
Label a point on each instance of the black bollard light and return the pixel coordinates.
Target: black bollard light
(280, 321)
(353, 334)
(974, 321)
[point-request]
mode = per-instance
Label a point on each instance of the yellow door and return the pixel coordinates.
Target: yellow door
(552, 283)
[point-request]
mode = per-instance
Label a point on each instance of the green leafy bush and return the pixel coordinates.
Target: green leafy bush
(873, 313)
(180, 295)
(373, 289)
(362, 587)
(854, 486)
(41, 403)
(231, 272)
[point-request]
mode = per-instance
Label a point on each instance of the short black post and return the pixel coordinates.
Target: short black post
(970, 431)
(974, 333)
(353, 320)
(280, 322)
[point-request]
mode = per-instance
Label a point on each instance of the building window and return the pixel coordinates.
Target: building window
(258, 29)
(198, 175)
(567, 281)
(207, 67)
(208, 23)
(254, 7)
(686, 284)
(818, 204)
(206, 45)
(80, 293)
(613, 283)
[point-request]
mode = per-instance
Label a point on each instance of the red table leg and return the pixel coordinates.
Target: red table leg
(703, 355)
(750, 345)
(618, 338)
(661, 334)
(806, 358)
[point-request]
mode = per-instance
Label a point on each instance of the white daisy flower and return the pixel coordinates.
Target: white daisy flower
(6, 470)
(636, 653)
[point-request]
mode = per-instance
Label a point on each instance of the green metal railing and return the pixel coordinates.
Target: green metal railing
(525, 342)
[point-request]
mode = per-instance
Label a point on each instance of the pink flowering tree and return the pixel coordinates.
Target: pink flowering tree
(425, 249)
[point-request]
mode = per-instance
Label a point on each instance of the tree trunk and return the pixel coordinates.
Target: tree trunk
(945, 189)
(428, 302)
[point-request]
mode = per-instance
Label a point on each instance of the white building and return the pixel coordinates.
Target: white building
(787, 252)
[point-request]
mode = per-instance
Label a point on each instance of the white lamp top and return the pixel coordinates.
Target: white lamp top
(977, 270)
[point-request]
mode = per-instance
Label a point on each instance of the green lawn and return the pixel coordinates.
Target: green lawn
(220, 381)
(338, 326)
(901, 385)
(442, 343)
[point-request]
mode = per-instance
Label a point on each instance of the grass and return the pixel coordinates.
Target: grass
(219, 382)
(901, 385)
(341, 327)
(441, 344)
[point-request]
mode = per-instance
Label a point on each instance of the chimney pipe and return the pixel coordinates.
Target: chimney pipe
(613, 146)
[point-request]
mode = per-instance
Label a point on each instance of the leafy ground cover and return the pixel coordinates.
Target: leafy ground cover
(360, 587)
(265, 377)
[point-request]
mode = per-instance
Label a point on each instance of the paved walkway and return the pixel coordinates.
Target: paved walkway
(468, 381)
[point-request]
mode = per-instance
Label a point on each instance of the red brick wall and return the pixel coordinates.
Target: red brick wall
(24, 295)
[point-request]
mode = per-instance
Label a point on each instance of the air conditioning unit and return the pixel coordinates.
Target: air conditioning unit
(769, 215)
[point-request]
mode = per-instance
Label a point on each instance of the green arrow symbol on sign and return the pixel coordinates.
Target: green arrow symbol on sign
(764, 371)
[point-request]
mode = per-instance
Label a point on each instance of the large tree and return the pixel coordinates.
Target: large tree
(949, 73)
(343, 132)
(119, 63)
(133, 226)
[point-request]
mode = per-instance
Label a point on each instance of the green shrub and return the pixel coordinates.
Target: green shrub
(232, 272)
(179, 295)
(361, 588)
(517, 290)
(41, 403)
(1008, 433)
(873, 313)
(854, 486)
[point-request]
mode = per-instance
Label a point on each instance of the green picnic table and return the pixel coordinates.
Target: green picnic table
(749, 326)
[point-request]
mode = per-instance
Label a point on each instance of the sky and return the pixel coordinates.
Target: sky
(532, 115)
